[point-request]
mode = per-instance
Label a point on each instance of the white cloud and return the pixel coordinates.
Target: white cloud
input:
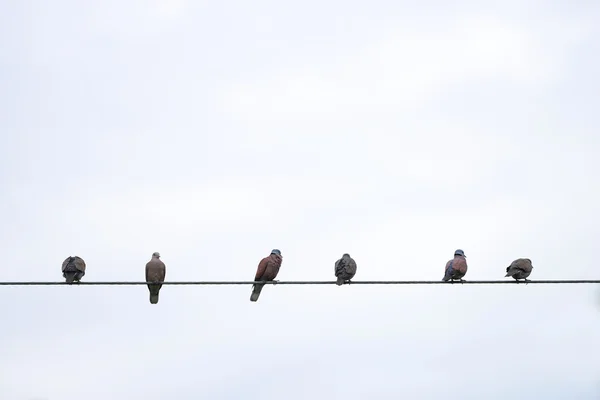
(466, 134)
(169, 8)
(406, 68)
(134, 19)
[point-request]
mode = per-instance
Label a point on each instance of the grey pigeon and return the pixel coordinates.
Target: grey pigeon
(267, 270)
(519, 269)
(73, 269)
(155, 273)
(345, 269)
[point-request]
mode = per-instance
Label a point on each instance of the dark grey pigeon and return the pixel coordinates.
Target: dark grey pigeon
(519, 269)
(345, 269)
(73, 269)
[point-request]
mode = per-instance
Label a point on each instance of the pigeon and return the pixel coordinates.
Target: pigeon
(268, 268)
(456, 268)
(73, 269)
(155, 272)
(345, 269)
(519, 269)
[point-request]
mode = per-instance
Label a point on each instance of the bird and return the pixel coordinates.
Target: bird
(267, 270)
(519, 269)
(155, 273)
(73, 269)
(345, 269)
(456, 268)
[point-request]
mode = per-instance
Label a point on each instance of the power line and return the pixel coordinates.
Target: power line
(225, 283)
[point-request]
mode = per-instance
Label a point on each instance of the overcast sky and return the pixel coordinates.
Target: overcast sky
(213, 132)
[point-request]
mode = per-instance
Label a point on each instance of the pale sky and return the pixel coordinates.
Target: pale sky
(213, 132)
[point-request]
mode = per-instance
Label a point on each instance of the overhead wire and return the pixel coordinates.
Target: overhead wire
(225, 283)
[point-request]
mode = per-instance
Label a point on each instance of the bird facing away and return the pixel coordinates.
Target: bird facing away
(345, 269)
(268, 268)
(155, 273)
(73, 269)
(519, 269)
(456, 268)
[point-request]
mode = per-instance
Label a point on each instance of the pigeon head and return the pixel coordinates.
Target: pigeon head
(459, 252)
(346, 255)
(156, 254)
(275, 251)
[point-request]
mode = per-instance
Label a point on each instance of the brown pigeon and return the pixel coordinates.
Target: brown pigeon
(457, 267)
(155, 272)
(345, 269)
(519, 269)
(268, 268)
(73, 269)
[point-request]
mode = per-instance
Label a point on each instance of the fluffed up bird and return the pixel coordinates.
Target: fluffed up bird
(268, 268)
(155, 273)
(456, 268)
(73, 269)
(345, 269)
(519, 269)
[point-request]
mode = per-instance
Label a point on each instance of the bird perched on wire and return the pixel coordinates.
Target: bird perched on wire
(267, 270)
(73, 269)
(155, 273)
(519, 269)
(344, 269)
(456, 268)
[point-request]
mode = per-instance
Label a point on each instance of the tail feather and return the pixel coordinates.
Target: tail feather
(256, 289)
(447, 276)
(154, 291)
(153, 298)
(340, 281)
(70, 277)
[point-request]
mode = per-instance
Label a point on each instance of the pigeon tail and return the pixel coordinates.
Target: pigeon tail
(447, 276)
(154, 290)
(153, 298)
(340, 281)
(511, 272)
(70, 277)
(256, 289)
